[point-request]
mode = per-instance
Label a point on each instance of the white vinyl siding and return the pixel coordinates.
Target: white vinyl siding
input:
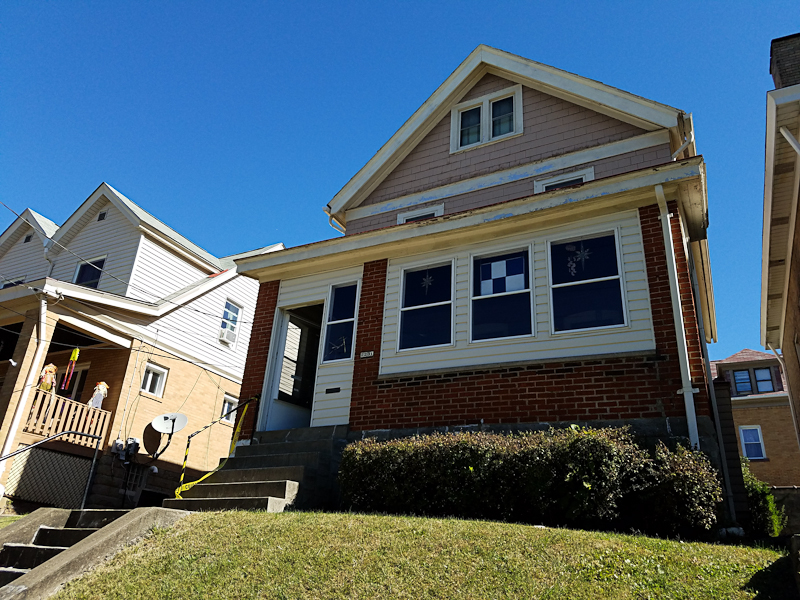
(637, 335)
(160, 272)
(115, 237)
(327, 408)
(24, 260)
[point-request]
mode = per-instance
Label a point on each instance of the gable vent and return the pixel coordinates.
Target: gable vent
(28, 238)
(102, 216)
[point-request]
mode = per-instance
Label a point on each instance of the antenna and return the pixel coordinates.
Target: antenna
(168, 423)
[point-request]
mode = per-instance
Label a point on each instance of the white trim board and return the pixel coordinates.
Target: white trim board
(534, 169)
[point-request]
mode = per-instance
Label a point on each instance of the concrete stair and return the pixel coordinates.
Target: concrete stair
(17, 559)
(293, 467)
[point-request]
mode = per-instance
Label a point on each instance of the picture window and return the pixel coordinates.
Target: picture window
(426, 310)
(501, 296)
(586, 286)
(89, 272)
(487, 119)
(340, 323)
(154, 379)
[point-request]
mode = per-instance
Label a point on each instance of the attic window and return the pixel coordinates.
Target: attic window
(102, 216)
(429, 212)
(28, 238)
(486, 120)
(564, 180)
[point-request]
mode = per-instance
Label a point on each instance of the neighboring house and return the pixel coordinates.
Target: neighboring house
(762, 415)
(164, 323)
(529, 247)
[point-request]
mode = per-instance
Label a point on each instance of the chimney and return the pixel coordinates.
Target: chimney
(784, 63)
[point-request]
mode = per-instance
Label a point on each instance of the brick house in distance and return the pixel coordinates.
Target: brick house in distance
(762, 415)
(528, 248)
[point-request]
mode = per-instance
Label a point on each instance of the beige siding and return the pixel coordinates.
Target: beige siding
(607, 167)
(160, 272)
(551, 127)
(334, 408)
(24, 260)
(637, 335)
(115, 237)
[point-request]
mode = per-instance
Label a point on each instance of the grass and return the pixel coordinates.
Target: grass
(319, 555)
(6, 521)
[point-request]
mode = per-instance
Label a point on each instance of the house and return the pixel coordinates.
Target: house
(162, 322)
(528, 248)
(762, 415)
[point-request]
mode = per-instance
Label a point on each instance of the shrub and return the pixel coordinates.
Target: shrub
(766, 519)
(578, 477)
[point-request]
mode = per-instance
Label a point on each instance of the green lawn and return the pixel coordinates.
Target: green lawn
(318, 555)
(6, 521)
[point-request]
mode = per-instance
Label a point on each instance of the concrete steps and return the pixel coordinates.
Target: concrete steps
(19, 558)
(292, 467)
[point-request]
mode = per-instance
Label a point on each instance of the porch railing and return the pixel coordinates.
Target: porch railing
(51, 414)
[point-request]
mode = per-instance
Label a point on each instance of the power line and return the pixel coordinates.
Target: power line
(128, 283)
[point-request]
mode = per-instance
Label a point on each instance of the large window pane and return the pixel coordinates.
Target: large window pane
(501, 316)
(596, 304)
(89, 273)
(503, 116)
(427, 286)
(471, 126)
(764, 380)
(338, 341)
(580, 260)
(742, 381)
(425, 327)
(499, 274)
(344, 303)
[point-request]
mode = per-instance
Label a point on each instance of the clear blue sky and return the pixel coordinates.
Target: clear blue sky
(235, 123)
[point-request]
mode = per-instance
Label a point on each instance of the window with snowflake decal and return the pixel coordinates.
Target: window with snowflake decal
(501, 296)
(586, 284)
(341, 322)
(427, 307)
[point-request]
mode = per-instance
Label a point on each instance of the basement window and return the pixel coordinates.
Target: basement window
(486, 120)
(752, 442)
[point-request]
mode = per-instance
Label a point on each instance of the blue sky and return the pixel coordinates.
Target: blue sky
(235, 123)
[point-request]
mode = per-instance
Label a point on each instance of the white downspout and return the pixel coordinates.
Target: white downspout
(677, 315)
(30, 380)
(788, 393)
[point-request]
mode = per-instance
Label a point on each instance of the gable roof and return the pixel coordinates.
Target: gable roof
(602, 98)
(747, 355)
(43, 227)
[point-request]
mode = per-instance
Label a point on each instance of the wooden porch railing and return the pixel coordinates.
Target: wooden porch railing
(51, 414)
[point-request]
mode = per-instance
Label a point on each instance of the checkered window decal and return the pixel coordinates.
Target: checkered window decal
(501, 297)
(502, 275)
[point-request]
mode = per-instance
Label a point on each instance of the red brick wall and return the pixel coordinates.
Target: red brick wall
(256, 365)
(557, 391)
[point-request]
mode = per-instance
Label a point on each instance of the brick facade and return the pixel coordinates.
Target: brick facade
(256, 365)
(782, 465)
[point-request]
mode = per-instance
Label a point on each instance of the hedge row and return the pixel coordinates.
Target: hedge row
(574, 477)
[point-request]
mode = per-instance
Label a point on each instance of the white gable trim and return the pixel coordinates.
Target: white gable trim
(534, 169)
(607, 100)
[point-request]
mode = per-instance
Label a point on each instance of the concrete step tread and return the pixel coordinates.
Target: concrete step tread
(269, 503)
(226, 474)
(285, 489)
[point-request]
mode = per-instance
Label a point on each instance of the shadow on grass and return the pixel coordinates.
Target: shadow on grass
(775, 582)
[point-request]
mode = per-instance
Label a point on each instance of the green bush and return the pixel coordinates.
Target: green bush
(766, 519)
(577, 477)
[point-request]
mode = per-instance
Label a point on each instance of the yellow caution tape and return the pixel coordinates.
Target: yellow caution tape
(190, 485)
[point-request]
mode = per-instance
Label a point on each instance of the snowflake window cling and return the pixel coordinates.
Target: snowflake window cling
(581, 256)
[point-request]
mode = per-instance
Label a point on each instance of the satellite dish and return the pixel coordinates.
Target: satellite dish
(170, 423)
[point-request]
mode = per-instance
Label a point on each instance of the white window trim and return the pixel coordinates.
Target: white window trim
(540, 184)
(159, 393)
(326, 311)
(485, 102)
(437, 210)
(230, 419)
(224, 344)
(531, 290)
(400, 310)
(619, 276)
(760, 440)
(104, 257)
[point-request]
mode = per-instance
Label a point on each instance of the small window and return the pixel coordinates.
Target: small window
(154, 379)
(486, 119)
(501, 297)
(752, 442)
(586, 284)
(764, 380)
(89, 272)
(229, 403)
(429, 212)
(753, 381)
(426, 313)
(228, 330)
(28, 238)
(9, 283)
(741, 379)
(563, 181)
(340, 323)
(102, 215)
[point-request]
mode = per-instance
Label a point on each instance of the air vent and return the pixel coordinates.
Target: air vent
(102, 216)
(28, 238)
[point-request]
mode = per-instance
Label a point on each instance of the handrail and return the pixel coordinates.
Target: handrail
(52, 437)
(255, 398)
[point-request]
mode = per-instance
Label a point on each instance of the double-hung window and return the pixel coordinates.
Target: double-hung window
(229, 328)
(745, 381)
(752, 442)
(340, 323)
(154, 379)
(501, 296)
(427, 307)
(88, 273)
(486, 119)
(586, 286)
